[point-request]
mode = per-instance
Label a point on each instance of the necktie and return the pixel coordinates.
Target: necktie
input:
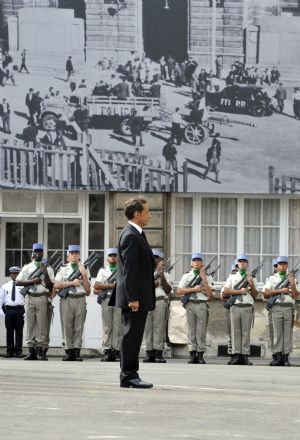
(13, 292)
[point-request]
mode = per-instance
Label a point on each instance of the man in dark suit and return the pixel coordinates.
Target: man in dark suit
(135, 289)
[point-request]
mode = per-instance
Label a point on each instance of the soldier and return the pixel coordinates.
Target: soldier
(270, 323)
(111, 316)
(36, 302)
(197, 307)
(156, 320)
(234, 269)
(282, 311)
(73, 306)
(12, 301)
(241, 311)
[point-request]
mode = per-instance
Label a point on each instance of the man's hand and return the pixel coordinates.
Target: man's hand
(160, 267)
(2, 314)
(244, 291)
(134, 306)
(76, 283)
(82, 270)
(36, 281)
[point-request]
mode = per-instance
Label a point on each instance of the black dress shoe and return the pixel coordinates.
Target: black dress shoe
(135, 383)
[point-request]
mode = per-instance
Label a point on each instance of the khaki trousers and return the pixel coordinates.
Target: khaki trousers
(36, 317)
(228, 327)
(197, 319)
(241, 320)
(282, 318)
(73, 313)
(271, 331)
(155, 327)
(112, 326)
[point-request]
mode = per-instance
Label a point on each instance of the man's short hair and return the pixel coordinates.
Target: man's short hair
(132, 206)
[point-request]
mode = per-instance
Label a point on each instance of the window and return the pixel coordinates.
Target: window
(96, 229)
(14, 201)
(219, 233)
(61, 203)
(60, 235)
(19, 238)
(294, 232)
(261, 233)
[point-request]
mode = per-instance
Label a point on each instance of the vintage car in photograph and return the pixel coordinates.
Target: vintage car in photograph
(241, 99)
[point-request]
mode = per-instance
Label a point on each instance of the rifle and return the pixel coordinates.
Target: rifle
(103, 294)
(281, 285)
(37, 274)
(63, 293)
(194, 282)
(168, 266)
(57, 265)
(213, 272)
(242, 284)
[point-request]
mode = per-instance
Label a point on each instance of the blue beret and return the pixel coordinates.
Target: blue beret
(282, 259)
(158, 253)
(111, 251)
(274, 262)
(14, 269)
(38, 247)
(74, 248)
(197, 255)
(242, 257)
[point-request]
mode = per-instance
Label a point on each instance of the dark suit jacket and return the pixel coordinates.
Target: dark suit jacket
(135, 271)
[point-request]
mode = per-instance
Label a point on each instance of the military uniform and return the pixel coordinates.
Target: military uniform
(72, 311)
(197, 316)
(155, 327)
(36, 308)
(282, 320)
(270, 321)
(241, 315)
(12, 301)
(111, 320)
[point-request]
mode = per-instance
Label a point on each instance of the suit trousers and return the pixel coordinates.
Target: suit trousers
(36, 317)
(73, 313)
(14, 323)
(241, 320)
(112, 328)
(155, 327)
(282, 318)
(133, 324)
(197, 319)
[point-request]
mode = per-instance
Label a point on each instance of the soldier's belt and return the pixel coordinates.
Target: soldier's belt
(73, 295)
(197, 301)
(242, 305)
(37, 294)
(284, 304)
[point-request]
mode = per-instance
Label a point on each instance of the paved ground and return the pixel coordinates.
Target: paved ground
(80, 401)
(247, 151)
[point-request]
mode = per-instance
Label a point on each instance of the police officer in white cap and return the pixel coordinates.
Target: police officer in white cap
(73, 306)
(111, 316)
(155, 327)
(12, 301)
(242, 310)
(36, 302)
(197, 307)
(282, 311)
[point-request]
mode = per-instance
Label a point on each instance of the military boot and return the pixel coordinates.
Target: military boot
(232, 357)
(69, 355)
(150, 356)
(77, 355)
(193, 358)
(106, 357)
(246, 360)
(43, 354)
(200, 357)
(32, 356)
(236, 360)
(279, 360)
(158, 357)
(112, 356)
(286, 361)
(273, 360)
